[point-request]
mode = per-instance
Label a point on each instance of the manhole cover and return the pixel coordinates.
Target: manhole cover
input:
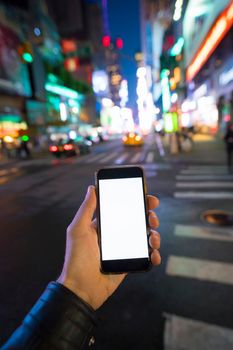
(218, 217)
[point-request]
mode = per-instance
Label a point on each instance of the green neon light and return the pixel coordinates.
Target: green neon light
(171, 122)
(27, 57)
(10, 118)
(25, 138)
(177, 48)
(166, 95)
(52, 78)
(164, 73)
(61, 90)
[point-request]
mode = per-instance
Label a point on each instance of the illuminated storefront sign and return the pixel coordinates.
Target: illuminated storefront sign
(177, 48)
(219, 29)
(11, 129)
(61, 90)
(226, 77)
(171, 122)
(100, 82)
(166, 95)
(123, 93)
(200, 91)
(68, 46)
(178, 10)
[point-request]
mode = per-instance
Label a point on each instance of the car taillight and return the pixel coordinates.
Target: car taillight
(68, 147)
(53, 148)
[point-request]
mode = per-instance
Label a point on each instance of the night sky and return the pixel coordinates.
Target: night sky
(124, 22)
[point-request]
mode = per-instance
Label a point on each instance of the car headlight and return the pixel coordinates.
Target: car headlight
(138, 138)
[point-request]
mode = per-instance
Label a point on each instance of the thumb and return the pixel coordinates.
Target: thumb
(87, 209)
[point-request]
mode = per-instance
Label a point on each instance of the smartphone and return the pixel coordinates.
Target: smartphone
(123, 228)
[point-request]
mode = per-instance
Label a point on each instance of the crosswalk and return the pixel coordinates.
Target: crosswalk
(204, 182)
(187, 333)
(6, 174)
(119, 158)
(100, 158)
(198, 266)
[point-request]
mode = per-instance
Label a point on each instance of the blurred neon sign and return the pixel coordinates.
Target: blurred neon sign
(61, 90)
(221, 26)
(177, 48)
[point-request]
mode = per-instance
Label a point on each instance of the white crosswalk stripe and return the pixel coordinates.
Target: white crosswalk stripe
(183, 333)
(206, 270)
(204, 177)
(204, 171)
(121, 159)
(136, 158)
(94, 158)
(210, 178)
(108, 157)
(150, 157)
(204, 195)
(204, 184)
(213, 233)
(207, 167)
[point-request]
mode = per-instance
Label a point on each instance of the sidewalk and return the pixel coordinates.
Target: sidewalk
(207, 150)
(4, 162)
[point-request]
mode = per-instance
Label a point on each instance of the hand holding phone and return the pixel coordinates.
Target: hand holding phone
(81, 269)
(123, 227)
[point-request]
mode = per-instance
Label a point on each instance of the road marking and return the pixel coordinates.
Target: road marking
(204, 184)
(205, 270)
(185, 333)
(108, 157)
(4, 172)
(204, 177)
(9, 171)
(204, 195)
(207, 167)
(136, 158)
(122, 158)
(150, 173)
(204, 171)
(95, 158)
(3, 180)
(213, 233)
(159, 145)
(150, 157)
(157, 166)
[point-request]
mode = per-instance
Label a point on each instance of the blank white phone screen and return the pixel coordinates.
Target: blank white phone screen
(122, 219)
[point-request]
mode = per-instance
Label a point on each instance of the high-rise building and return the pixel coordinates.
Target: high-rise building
(208, 33)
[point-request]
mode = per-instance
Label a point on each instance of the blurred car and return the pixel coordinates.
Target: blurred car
(84, 145)
(64, 149)
(132, 139)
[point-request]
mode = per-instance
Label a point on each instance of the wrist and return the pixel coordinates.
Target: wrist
(72, 286)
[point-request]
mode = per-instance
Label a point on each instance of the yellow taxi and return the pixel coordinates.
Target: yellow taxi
(132, 139)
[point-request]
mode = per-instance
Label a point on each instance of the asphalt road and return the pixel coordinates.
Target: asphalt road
(193, 287)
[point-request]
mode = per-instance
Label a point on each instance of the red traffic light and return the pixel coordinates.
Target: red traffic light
(106, 41)
(119, 43)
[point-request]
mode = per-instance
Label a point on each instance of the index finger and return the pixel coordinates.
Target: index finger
(152, 202)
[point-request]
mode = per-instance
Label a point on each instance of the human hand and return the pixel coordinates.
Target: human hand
(81, 270)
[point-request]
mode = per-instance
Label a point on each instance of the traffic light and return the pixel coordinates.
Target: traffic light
(119, 43)
(106, 41)
(26, 52)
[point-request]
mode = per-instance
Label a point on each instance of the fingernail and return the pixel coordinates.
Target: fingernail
(89, 189)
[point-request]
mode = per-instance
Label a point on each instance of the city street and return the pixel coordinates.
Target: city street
(190, 293)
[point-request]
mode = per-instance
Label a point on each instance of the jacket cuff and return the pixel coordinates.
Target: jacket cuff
(62, 317)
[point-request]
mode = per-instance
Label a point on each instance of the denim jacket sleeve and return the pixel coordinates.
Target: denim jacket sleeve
(59, 320)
